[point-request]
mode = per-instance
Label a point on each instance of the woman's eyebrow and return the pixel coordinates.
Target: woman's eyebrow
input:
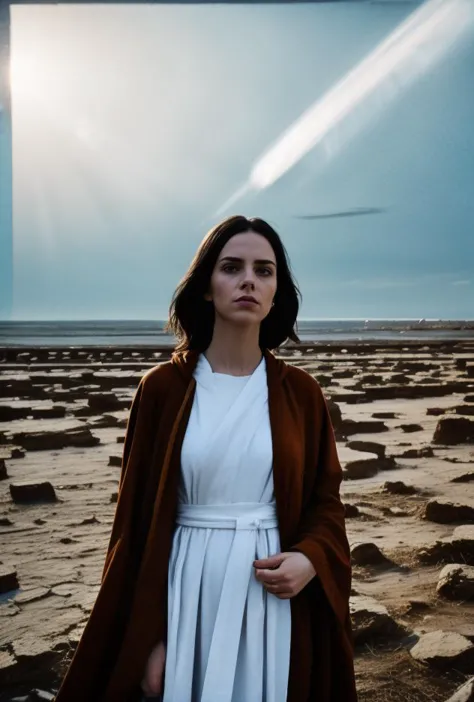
(236, 259)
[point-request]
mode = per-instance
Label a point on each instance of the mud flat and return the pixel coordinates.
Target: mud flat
(404, 419)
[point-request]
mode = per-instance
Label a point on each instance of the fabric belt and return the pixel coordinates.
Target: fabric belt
(248, 516)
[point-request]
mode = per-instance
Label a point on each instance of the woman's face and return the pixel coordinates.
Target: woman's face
(246, 267)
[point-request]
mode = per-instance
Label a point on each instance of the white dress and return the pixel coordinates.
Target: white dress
(228, 638)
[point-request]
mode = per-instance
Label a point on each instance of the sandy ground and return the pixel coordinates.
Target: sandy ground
(57, 548)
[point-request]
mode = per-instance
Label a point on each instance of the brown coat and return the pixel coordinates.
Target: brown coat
(130, 614)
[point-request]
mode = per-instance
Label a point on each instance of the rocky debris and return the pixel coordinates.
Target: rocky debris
(384, 415)
(444, 650)
(32, 595)
(467, 410)
(415, 391)
(367, 446)
(351, 426)
(17, 452)
(410, 428)
(447, 512)
(115, 461)
(53, 440)
(454, 430)
(10, 414)
(456, 582)
(351, 510)
(368, 554)
(26, 491)
(435, 411)
(8, 579)
(120, 439)
(114, 497)
(456, 548)
(371, 620)
(103, 421)
(469, 398)
(464, 478)
(100, 402)
(398, 487)
(3, 470)
(55, 412)
(36, 695)
(424, 452)
(465, 693)
(367, 467)
(415, 606)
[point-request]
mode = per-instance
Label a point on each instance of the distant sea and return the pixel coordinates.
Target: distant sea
(150, 333)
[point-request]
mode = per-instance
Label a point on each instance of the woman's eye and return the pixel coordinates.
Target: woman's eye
(229, 268)
(266, 271)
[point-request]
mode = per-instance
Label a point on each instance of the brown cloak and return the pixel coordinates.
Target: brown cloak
(130, 613)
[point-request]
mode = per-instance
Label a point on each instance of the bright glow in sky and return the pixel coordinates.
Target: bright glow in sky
(132, 123)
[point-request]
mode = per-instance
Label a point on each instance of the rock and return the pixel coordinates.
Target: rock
(55, 412)
(410, 428)
(456, 548)
(454, 430)
(367, 468)
(54, 440)
(368, 554)
(398, 488)
(41, 696)
(350, 510)
(424, 452)
(368, 446)
(3, 470)
(371, 620)
(467, 410)
(465, 693)
(104, 420)
(10, 414)
(446, 512)
(444, 650)
(8, 579)
(18, 453)
(100, 402)
(456, 582)
(36, 593)
(384, 415)
(435, 411)
(114, 497)
(115, 461)
(464, 478)
(25, 491)
(469, 398)
(351, 426)
(120, 439)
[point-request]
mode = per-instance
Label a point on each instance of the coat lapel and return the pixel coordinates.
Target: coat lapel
(287, 449)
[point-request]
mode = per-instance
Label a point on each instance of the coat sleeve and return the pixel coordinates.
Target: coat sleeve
(128, 477)
(322, 534)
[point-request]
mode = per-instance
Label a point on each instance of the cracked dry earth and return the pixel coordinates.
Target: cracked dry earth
(404, 420)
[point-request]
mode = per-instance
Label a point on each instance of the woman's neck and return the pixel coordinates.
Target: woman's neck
(234, 351)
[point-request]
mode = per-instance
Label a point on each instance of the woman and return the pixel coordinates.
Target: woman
(227, 577)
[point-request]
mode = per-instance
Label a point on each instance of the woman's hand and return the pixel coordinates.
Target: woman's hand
(285, 574)
(152, 682)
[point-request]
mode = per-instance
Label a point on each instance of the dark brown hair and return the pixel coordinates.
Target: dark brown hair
(191, 317)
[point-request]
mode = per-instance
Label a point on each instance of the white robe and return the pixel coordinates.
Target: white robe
(228, 638)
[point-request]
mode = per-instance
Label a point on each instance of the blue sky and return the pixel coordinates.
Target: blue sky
(132, 125)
